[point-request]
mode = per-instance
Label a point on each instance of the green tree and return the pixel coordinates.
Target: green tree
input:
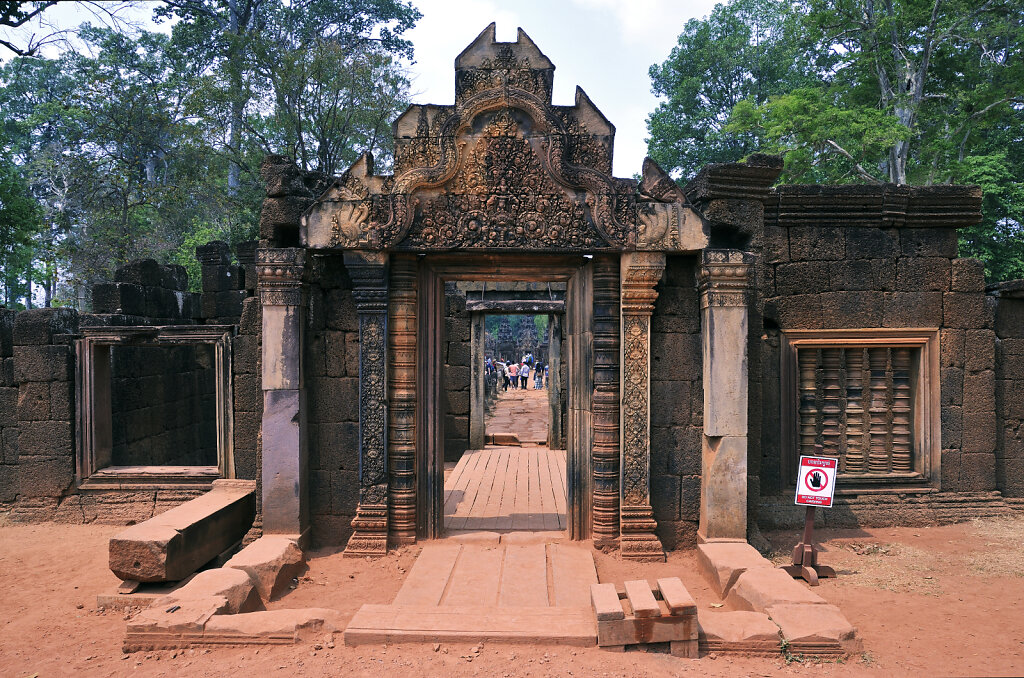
(20, 224)
(902, 91)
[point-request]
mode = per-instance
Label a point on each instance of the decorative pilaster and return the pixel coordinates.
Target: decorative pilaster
(724, 282)
(402, 399)
(368, 271)
(640, 273)
(606, 403)
(284, 473)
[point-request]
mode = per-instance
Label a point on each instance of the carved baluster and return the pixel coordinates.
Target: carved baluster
(808, 414)
(370, 291)
(402, 399)
(606, 402)
(878, 455)
(856, 457)
(830, 396)
(902, 460)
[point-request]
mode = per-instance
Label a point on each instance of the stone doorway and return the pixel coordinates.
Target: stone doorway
(512, 478)
(511, 483)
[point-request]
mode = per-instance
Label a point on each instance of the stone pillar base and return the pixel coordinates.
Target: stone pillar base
(370, 537)
(638, 541)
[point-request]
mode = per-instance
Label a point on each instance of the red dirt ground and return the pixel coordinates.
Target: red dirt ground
(923, 599)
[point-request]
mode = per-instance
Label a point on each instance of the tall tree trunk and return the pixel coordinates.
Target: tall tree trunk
(237, 105)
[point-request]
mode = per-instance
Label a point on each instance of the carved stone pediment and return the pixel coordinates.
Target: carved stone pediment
(502, 169)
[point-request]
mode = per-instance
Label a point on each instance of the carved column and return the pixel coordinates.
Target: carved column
(402, 399)
(368, 271)
(284, 473)
(606, 402)
(640, 272)
(724, 281)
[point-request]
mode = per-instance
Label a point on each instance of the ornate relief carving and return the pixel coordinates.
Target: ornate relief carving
(606, 402)
(279, 275)
(724, 278)
(640, 273)
(402, 399)
(370, 291)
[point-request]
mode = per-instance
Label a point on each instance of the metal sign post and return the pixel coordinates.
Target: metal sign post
(815, 486)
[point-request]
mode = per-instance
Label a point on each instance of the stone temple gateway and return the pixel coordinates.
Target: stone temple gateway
(708, 335)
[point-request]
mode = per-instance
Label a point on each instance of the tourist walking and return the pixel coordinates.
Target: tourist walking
(524, 376)
(513, 373)
(538, 376)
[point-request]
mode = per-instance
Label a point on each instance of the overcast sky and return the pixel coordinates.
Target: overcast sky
(604, 46)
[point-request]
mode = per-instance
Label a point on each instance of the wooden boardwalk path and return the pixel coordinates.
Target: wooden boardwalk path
(507, 488)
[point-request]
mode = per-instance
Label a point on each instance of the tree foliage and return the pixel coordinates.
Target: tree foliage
(903, 91)
(140, 143)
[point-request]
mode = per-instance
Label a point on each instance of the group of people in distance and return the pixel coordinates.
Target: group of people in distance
(518, 375)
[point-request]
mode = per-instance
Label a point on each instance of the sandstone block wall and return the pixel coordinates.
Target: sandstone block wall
(1009, 394)
(457, 372)
(332, 400)
(882, 257)
(677, 404)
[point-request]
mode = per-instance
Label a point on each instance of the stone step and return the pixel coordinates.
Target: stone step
(408, 624)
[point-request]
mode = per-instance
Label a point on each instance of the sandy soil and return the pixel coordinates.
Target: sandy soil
(927, 601)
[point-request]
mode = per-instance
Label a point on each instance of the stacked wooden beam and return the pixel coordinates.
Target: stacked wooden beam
(640, 614)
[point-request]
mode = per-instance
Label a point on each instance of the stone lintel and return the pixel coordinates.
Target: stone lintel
(514, 306)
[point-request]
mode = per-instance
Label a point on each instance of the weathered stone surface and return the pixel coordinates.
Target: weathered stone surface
(815, 625)
(928, 242)
(233, 585)
(33, 401)
(271, 562)
(42, 325)
(42, 363)
(722, 563)
(968, 275)
(723, 496)
(738, 627)
(256, 627)
(284, 501)
(965, 310)
(172, 545)
(759, 588)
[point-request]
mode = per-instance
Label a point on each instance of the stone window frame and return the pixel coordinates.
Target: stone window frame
(927, 422)
(94, 407)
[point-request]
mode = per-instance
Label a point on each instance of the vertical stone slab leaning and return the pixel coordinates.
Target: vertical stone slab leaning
(724, 281)
(282, 294)
(476, 383)
(640, 272)
(369, 274)
(401, 373)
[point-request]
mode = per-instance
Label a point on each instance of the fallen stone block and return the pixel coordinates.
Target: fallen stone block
(723, 562)
(236, 587)
(172, 626)
(272, 627)
(815, 629)
(758, 589)
(271, 562)
(747, 633)
(174, 544)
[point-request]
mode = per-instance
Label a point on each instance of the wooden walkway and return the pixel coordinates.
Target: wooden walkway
(507, 488)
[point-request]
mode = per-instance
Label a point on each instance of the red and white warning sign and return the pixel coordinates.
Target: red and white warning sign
(816, 481)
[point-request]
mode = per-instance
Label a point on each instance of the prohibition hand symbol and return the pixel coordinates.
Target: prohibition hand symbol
(816, 480)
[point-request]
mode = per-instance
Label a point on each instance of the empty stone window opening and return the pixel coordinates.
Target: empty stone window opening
(872, 403)
(155, 406)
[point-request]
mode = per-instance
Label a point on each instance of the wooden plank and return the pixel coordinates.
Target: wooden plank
(429, 575)
(641, 599)
(477, 519)
(536, 520)
(521, 515)
(492, 511)
(605, 600)
(524, 577)
(508, 493)
(377, 624)
(455, 487)
(557, 462)
(547, 492)
(475, 578)
(676, 597)
(572, 572)
(473, 487)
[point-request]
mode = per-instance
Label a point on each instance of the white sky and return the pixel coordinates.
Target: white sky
(604, 46)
